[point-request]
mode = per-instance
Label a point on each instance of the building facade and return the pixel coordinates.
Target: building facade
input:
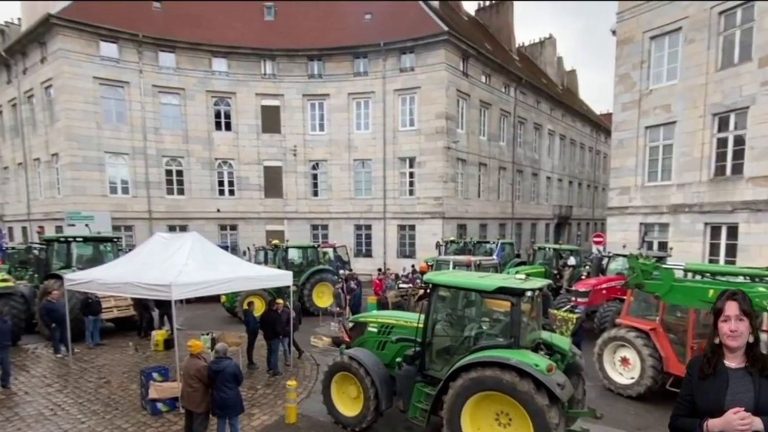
(409, 123)
(688, 169)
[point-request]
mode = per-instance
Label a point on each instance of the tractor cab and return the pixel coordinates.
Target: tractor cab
(336, 256)
(67, 253)
(559, 263)
(297, 258)
(26, 262)
(467, 263)
(263, 255)
(503, 251)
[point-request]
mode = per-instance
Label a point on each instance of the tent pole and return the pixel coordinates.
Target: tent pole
(290, 347)
(175, 342)
(69, 329)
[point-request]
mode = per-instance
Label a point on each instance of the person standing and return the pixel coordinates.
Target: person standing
(164, 311)
(6, 331)
(54, 318)
(290, 322)
(226, 378)
(271, 328)
(195, 389)
(91, 310)
(144, 316)
(252, 331)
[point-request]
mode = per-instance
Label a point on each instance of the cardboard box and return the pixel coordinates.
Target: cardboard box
(164, 390)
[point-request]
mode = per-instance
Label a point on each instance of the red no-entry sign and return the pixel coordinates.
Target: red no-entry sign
(598, 239)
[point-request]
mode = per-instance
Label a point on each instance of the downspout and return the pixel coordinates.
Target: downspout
(144, 135)
(513, 174)
(22, 135)
(384, 145)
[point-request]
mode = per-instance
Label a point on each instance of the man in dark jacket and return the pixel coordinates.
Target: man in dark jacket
(146, 323)
(6, 330)
(54, 318)
(272, 328)
(252, 330)
(226, 378)
(289, 330)
(90, 308)
(164, 311)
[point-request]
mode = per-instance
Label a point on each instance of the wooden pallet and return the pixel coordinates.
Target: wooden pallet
(116, 307)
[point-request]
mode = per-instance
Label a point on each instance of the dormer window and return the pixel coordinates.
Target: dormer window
(269, 11)
(315, 68)
(361, 65)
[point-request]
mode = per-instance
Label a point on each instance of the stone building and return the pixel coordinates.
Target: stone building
(688, 171)
(382, 125)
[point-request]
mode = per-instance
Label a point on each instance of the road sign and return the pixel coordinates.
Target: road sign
(598, 239)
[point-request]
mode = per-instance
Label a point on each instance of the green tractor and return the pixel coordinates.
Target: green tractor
(503, 251)
(19, 278)
(70, 253)
(315, 275)
(548, 263)
(478, 358)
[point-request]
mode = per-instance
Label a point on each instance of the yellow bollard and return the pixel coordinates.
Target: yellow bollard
(291, 402)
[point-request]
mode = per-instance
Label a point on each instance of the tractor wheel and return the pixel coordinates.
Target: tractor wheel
(349, 395)
(488, 398)
(259, 298)
(319, 293)
(605, 317)
(13, 302)
(29, 293)
(575, 373)
(562, 301)
(76, 323)
(628, 362)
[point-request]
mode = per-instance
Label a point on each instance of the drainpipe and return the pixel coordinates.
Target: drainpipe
(20, 124)
(144, 135)
(513, 120)
(384, 144)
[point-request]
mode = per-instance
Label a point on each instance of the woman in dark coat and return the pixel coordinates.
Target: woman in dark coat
(726, 389)
(225, 378)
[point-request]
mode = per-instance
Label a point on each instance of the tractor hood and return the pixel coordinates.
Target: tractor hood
(599, 282)
(530, 270)
(392, 317)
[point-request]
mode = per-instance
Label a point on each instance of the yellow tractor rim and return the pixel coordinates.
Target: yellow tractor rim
(259, 305)
(494, 412)
(322, 295)
(347, 394)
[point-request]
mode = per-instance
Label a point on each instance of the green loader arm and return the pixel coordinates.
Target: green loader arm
(696, 285)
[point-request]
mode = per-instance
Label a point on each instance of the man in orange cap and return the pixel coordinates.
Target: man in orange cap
(195, 389)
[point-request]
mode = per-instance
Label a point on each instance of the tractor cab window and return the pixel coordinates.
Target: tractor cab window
(343, 254)
(460, 321)
(644, 306)
(544, 257)
(93, 254)
(59, 254)
(442, 265)
(455, 248)
(617, 266)
(301, 257)
(506, 252)
(488, 268)
(483, 249)
(326, 256)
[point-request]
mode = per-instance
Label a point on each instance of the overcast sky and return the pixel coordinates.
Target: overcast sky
(582, 30)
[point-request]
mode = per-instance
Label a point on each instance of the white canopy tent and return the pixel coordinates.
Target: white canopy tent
(175, 267)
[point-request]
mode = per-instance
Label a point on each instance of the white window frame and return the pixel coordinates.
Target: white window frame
(109, 50)
(662, 144)
(170, 103)
(166, 59)
(485, 78)
(723, 242)
(127, 235)
(660, 61)
(318, 179)
(501, 185)
(548, 190)
(550, 143)
(483, 122)
(229, 236)
(536, 139)
(268, 67)
(730, 135)
(49, 94)
(409, 112)
(461, 169)
(112, 105)
(219, 65)
(363, 247)
(482, 180)
(317, 116)
(407, 61)
(319, 233)
(520, 133)
(226, 172)
(40, 178)
(503, 129)
(56, 164)
(362, 107)
(118, 166)
(173, 170)
(519, 174)
(31, 111)
(269, 11)
(221, 106)
(738, 31)
(407, 176)
(361, 65)
(363, 178)
(406, 236)
(315, 67)
(461, 114)
(535, 188)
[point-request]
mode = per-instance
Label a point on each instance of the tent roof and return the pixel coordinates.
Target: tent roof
(175, 267)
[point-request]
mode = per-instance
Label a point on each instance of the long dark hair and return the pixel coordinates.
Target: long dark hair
(713, 356)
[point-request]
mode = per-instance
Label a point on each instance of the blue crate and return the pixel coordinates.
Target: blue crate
(149, 374)
(160, 407)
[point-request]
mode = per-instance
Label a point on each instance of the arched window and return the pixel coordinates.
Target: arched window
(118, 175)
(222, 114)
(363, 178)
(318, 178)
(225, 178)
(174, 177)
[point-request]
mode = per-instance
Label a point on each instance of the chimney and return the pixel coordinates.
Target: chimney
(499, 16)
(572, 81)
(543, 52)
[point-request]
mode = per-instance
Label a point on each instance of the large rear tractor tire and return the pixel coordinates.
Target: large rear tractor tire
(16, 306)
(605, 317)
(349, 395)
(76, 322)
(628, 362)
(488, 399)
(29, 293)
(260, 301)
(562, 301)
(319, 293)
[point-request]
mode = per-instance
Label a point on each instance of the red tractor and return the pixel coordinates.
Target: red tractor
(602, 297)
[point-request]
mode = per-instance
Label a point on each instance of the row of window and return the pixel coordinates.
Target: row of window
(728, 153)
(554, 149)
(109, 50)
(30, 112)
(722, 240)
(736, 31)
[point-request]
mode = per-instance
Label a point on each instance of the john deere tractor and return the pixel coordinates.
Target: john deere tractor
(70, 253)
(502, 250)
(24, 266)
(315, 275)
(548, 263)
(477, 358)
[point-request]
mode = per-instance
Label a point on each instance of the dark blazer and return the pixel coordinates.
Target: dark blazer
(700, 399)
(271, 325)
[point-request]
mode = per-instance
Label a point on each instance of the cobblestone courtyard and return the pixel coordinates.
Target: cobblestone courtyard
(100, 390)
